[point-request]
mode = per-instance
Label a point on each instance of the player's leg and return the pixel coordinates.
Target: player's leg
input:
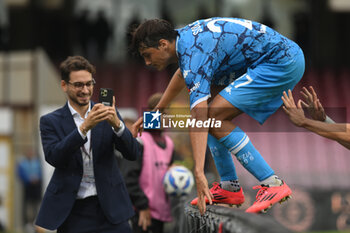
(236, 141)
(224, 164)
(243, 95)
(221, 156)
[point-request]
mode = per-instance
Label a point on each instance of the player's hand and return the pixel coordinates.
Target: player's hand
(144, 219)
(97, 114)
(113, 118)
(295, 113)
(202, 192)
(137, 127)
(313, 104)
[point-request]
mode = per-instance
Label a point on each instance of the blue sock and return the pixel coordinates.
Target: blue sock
(223, 159)
(238, 143)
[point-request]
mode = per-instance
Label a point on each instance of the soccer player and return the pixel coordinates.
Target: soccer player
(320, 122)
(255, 64)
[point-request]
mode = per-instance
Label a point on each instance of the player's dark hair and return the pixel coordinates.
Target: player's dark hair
(75, 63)
(149, 33)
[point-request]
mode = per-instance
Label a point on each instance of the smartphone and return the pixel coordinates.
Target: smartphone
(106, 96)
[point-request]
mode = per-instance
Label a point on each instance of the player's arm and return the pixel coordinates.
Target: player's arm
(335, 131)
(199, 143)
(199, 136)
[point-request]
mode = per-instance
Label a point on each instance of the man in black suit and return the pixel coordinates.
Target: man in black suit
(86, 192)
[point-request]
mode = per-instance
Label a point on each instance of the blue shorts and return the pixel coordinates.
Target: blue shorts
(258, 92)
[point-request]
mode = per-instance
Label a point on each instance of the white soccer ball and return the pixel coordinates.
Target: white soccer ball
(178, 181)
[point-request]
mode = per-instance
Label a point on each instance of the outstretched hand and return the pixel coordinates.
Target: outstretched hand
(137, 127)
(313, 104)
(294, 112)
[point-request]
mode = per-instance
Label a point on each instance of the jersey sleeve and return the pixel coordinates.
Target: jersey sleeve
(197, 50)
(196, 66)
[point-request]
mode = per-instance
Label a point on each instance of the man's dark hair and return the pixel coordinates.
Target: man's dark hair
(149, 33)
(75, 63)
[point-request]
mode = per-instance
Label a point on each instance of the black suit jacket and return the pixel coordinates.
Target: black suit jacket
(61, 143)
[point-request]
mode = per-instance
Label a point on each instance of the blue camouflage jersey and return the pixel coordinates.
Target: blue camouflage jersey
(219, 50)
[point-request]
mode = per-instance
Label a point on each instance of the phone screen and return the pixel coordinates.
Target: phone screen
(106, 96)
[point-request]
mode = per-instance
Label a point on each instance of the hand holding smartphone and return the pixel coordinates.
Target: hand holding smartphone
(106, 98)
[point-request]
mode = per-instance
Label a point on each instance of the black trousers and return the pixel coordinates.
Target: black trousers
(88, 217)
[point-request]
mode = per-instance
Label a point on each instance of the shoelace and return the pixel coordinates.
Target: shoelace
(216, 186)
(261, 192)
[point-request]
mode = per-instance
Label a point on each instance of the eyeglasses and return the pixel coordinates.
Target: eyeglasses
(80, 85)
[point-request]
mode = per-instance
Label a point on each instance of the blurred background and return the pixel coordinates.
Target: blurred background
(36, 35)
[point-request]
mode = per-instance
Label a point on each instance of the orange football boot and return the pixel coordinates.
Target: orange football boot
(223, 196)
(267, 196)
